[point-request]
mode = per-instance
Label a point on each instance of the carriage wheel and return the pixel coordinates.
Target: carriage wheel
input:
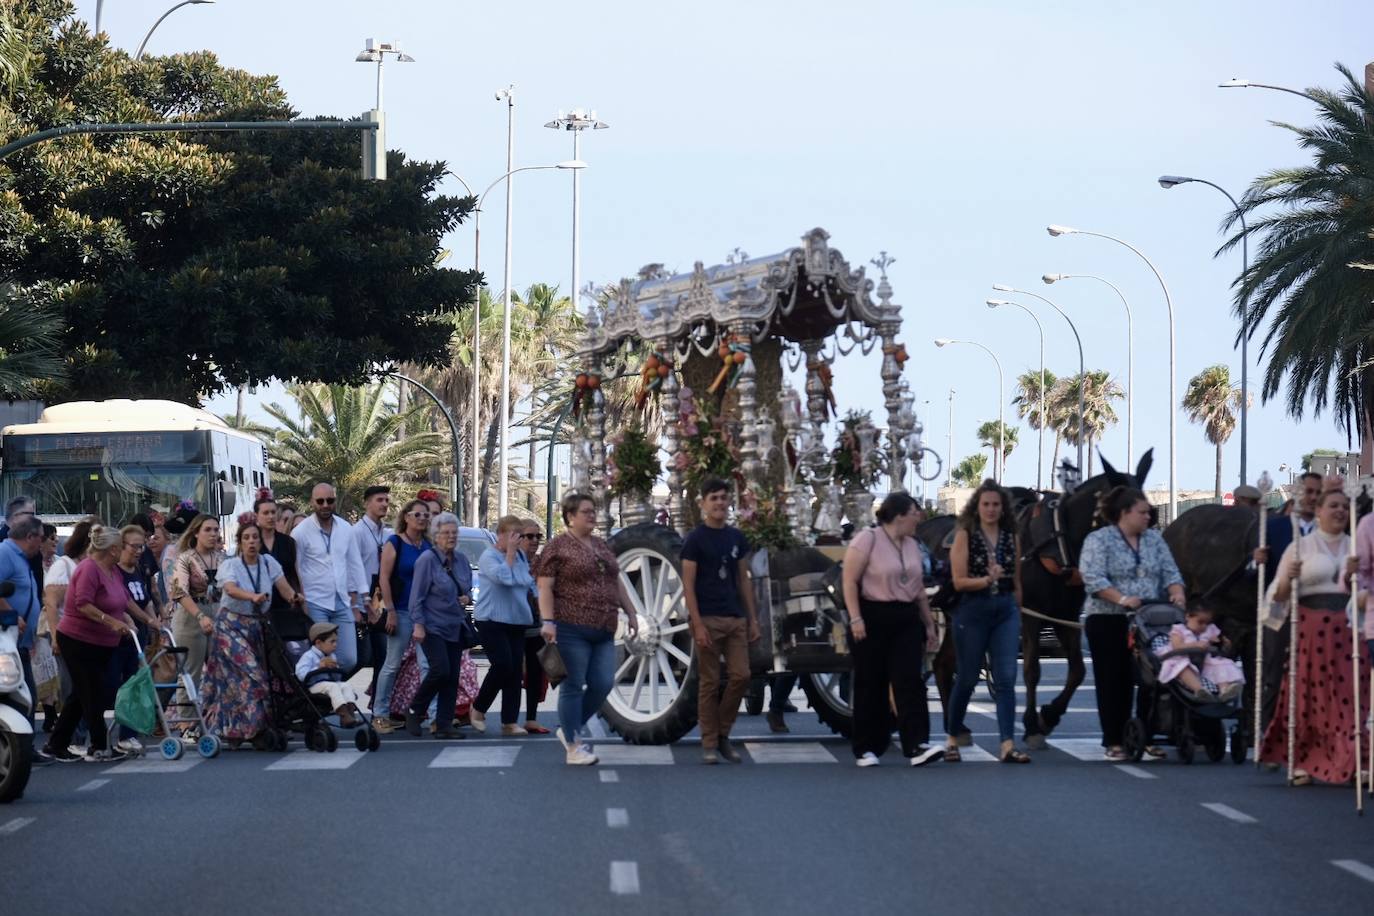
(829, 696)
(653, 698)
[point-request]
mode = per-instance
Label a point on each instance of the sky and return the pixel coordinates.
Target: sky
(948, 135)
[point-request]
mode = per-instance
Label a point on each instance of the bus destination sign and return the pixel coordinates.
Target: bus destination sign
(101, 449)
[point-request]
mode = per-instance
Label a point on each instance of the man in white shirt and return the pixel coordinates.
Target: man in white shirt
(370, 534)
(330, 567)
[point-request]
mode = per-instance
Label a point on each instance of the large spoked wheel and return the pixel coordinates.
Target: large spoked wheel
(653, 698)
(16, 760)
(829, 696)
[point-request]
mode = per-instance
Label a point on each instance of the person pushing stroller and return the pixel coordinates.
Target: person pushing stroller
(343, 699)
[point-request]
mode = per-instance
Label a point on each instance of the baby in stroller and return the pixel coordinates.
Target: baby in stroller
(343, 699)
(1219, 676)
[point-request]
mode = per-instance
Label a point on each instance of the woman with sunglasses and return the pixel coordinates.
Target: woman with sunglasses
(396, 575)
(580, 596)
(536, 684)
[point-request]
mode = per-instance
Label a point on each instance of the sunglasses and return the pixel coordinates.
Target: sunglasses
(533, 537)
(326, 501)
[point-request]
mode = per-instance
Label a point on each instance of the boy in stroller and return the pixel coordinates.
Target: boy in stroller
(1218, 675)
(324, 639)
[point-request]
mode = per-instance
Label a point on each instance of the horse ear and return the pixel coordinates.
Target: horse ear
(1142, 469)
(1114, 477)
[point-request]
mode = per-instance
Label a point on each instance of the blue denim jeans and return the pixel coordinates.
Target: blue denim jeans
(341, 614)
(589, 655)
(986, 624)
(396, 644)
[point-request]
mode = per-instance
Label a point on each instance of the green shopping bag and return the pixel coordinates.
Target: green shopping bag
(136, 702)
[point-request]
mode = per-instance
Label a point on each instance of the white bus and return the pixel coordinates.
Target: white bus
(113, 459)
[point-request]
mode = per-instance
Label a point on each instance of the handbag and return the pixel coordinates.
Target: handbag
(136, 702)
(468, 637)
(551, 660)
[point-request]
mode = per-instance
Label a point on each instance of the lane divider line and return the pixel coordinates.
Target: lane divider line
(617, 817)
(17, 824)
(1137, 772)
(1356, 868)
(92, 785)
(624, 878)
(1226, 811)
(609, 775)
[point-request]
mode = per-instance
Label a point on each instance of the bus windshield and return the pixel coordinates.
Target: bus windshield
(113, 492)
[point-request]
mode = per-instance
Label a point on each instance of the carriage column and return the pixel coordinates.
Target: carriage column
(892, 400)
(596, 439)
(668, 411)
(748, 410)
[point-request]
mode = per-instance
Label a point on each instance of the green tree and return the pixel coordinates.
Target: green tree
(988, 438)
(182, 263)
(1098, 415)
(31, 363)
(1212, 401)
(969, 472)
(1307, 225)
(347, 436)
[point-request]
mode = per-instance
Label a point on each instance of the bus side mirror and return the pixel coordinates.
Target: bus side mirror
(228, 499)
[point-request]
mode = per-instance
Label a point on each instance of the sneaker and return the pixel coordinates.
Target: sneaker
(130, 746)
(925, 754)
(709, 756)
(383, 725)
(1116, 754)
(869, 759)
(109, 755)
(579, 755)
(728, 752)
(777, 724)
(478, 721)
(61, 755)
(513, 731)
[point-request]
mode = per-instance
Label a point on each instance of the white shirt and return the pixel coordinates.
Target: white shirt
(370, 538)
(329, 564)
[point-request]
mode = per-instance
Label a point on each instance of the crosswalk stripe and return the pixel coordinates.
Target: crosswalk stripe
(975, 754)
(624, 878)
(155, 765)
(14, 825)
(1226, 811)
(1356, 868)
(634, 754)
(341, 759)
(796, 752)
(497, 756)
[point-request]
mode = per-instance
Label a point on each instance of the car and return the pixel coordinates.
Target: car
(471, 543)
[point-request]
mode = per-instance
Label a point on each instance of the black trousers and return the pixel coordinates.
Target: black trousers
(1113, 674)
(372, 649)
(505, 647)
(534, 677)
(889, 658)
(1275, 649)
(88, 665)
(445, 667)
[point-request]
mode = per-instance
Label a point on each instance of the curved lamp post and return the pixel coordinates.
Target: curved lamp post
(456, 488)
(1234, 83)
(138, 55)
(1130, 357)
(1057, 231)
(1040, 455)
(1169, 181)
(1001, 428)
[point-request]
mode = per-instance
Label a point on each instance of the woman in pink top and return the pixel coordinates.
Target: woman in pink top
(94, 619)
(890, 629)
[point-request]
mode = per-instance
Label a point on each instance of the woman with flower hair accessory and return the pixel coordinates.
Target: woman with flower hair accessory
(290, 621)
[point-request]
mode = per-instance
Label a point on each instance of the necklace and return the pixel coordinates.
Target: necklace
(901, 555)
(600, 561)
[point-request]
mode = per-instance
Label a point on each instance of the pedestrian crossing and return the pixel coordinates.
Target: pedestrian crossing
(493, 756)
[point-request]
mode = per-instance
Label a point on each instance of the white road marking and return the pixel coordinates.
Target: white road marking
(1356, 868)
(1226, 811)
(15, 825)
(493, 756)
(975, 754)
(92, 785)
(617, 817)
(1089, 749)
(341, 759)
(799, 752)
(624, 878)
(156, 765)
(609, 775)
(1135, 771)
(634, 754)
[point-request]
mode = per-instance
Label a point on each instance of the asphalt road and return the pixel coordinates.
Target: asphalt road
(502, 825)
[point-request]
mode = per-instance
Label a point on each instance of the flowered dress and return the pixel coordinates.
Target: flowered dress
(409, 677)
(234, 688)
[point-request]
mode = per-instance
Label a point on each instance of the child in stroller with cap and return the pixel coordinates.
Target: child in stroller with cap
(1218, 675)
(343, 699)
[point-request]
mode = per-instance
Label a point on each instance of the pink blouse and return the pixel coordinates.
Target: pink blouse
(889, 574)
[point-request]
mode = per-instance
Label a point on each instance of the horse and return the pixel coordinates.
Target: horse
(1052, 531)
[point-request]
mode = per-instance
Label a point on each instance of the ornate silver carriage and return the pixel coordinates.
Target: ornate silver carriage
(803, 306)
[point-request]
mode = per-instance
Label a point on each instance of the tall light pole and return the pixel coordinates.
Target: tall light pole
(375, 52)
(138, 55)
(1056, 231)
(503, 485)
(575, 122)
(949, 465)
(1234, 83)
(1040, 455)
(1001, 428)
(1130, 357)
(1169, 181)
(477, 321)
(1082, 367)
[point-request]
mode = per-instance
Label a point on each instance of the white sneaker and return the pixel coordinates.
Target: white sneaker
(477, 721)
(869, 759)
(580, 755)
(925, 755)
(130, 746)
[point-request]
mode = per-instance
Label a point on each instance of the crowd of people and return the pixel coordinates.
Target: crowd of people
(398, 600)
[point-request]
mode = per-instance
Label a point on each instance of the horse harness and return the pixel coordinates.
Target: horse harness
(1064, 566)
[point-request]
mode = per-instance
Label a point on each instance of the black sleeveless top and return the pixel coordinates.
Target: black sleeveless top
(1006, 557)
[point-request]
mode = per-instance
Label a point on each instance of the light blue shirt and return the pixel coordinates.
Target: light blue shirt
(505, 589)
(309, 662)
(14, 567)
(258, 578)
(1109, 562)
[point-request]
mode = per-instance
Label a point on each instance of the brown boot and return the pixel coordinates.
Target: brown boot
(349, 717)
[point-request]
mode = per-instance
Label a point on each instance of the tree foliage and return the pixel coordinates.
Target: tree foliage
(1008, 440)
(1212, 401)
(969, 472)
(185, 262)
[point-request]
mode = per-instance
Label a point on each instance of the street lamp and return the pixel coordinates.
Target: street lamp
(138, 55)
(1040, 455)
(572, 164)
(997, 463)
(1169, 181)
(1234, 83)
(1130, 357)
(1082, 367)
(575, 122)
(1056, 231)
(949, 465)
(375, 52)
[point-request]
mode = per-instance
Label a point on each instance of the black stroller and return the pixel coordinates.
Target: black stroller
(294, 708)
(1174, 715)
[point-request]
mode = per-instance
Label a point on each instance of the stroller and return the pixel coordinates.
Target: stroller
(294, 708)
(1174, 715)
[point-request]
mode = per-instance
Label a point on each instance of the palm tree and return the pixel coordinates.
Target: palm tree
(1212, 400)
(15, 52)
(1026, 400)
(1312, 222)
(30, 346)
(1098, 393)
(969, 472)
(251, 427)
(347, 436)
(988, 438)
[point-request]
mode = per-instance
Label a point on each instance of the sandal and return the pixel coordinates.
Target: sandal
(1014, 756)
(952, 754)
(1301, 779)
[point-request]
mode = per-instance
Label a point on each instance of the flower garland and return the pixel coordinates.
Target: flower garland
(707, 448)
(633, 463)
